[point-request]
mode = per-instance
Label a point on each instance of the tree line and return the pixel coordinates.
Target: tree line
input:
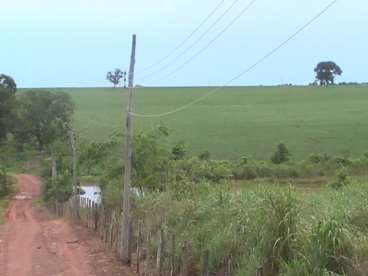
(35, 117)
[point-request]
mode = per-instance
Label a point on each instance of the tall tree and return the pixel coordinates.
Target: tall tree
(8, 82)
(43, 117)
(116, 76)
(326, 72)
(7, 105)
(7, 112)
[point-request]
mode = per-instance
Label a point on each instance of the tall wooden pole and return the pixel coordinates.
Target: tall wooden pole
(125, 248)
(74, 156)
(74, 171)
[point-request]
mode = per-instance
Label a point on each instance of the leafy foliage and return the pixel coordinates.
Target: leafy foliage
(178, 151)
(94, 157)
(7, 112)
(58, 188)
(43, 117)
(8, 83)
(116, 76)
(326, 72)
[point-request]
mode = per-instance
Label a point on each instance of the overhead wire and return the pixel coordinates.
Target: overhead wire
(245, 71)
(186, 39)
(192, 45)
(211, 42)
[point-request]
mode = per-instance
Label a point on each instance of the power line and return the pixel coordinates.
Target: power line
(181, 44)
(191, 46)
(247, 70)
(211, 42)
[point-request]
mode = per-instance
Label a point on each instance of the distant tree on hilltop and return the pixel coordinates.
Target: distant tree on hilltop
(326, 72)
(8, 82)
(116, 76)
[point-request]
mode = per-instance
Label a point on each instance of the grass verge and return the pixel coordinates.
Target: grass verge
(3, 206)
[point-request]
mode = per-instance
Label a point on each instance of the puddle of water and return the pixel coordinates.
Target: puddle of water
(23, 196)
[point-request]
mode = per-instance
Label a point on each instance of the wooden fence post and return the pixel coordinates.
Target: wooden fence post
(96, 217)
(86, 210)
(228, 266)
(160, 252)
(206, 270)
(139, 240)
(184, 267)
(131, 240)
(172, 261)
(148, 259)
(89, 213)
(112, 224)
(107, 226)
(91, 216)
(82, 210)
(259, 271)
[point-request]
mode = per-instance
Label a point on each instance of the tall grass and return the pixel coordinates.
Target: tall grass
(284, 231)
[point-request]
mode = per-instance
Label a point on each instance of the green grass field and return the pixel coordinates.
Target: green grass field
(240, 120)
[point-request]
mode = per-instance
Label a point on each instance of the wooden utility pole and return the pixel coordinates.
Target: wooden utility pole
(74, 161)
(53, 168)
(128, 135)
(74, 172)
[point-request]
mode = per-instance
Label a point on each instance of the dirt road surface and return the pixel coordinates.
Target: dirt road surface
(34, 243)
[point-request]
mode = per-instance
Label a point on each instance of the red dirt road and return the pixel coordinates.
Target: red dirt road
(33, 243)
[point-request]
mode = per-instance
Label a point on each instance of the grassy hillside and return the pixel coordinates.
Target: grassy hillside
(238, 121)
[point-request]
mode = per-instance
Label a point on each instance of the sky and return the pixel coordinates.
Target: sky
(74, 43)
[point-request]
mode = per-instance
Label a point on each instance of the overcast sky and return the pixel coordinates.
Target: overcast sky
(57, 43)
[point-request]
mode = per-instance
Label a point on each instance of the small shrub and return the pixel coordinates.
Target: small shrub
(316, 158)
(244, 159)
(178, 151)
(342, 161)
(245, 172)
(281, 155)
(220, 171)
(342, 180)
(205, 156)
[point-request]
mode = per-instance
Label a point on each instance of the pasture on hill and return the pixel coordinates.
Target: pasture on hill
(237, 121)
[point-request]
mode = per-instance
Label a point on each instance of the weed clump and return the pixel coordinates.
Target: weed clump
(341, 181)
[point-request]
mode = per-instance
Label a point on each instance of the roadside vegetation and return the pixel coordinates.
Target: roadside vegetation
(213, 208)
(7, 189)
